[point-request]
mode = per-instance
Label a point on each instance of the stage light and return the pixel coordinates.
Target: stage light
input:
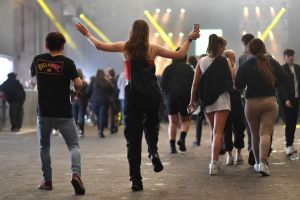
(170, 35)
(257, 11)
(159, 29)
(156, 34)
(271, 35)
(169, 10)
(181, 34)
(244, 32)
(272, 10)
(258, 33)
(246, 12)
(182, 10)
(94, 28)
(273, 24)
(157, 10)
(56, 23)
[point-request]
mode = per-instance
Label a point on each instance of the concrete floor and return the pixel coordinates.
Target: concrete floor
(105, 171)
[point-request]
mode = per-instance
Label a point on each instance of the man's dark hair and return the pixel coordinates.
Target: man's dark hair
(55, 41)
(289, 52)
(247, 38)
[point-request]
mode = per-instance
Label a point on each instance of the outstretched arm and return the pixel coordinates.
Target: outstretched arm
(164, 52)
(112, 47)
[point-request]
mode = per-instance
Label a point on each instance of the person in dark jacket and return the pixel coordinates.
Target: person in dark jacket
(213, 77)
(80, 104)
(15, 96)
(176, 82)
(293, 91)
(261, 75)
(101, 91)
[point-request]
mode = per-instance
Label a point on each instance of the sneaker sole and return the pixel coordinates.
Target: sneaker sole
(263, 173)
(78, 187)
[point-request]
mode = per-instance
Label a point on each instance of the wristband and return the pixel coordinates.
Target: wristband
(189, 38)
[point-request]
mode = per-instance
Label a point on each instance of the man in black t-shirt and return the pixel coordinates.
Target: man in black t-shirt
(54, 72)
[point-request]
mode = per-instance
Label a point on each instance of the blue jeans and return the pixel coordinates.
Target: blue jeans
(100, 111)
(67, 128)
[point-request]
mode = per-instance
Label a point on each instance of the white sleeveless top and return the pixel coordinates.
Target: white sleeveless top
(223, 102)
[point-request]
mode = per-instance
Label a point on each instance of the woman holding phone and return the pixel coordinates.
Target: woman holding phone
(142, 93)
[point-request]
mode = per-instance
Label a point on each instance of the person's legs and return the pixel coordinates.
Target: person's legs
(133, 133)
(172, 129)
(68, 130)
(290, 115)
(220, 118)
(185, 125)
(268, 120)
(151, 129)
(81, 115)
(44, 128)
(13, 115)
(199, 123)
(228, 139)
(253, 118)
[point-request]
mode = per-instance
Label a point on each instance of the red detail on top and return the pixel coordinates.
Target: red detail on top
(128, 65)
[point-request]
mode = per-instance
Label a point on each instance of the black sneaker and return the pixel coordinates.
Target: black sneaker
(77, 184)
(251, 158)
(136, 184)
(196, 143)
(172, 150)
(157, 165)
(181, 144)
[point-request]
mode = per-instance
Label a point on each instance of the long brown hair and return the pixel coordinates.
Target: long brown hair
(100, 79)
(138, 43)
(258, 49)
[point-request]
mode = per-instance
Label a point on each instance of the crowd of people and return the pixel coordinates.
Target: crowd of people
(233, 95)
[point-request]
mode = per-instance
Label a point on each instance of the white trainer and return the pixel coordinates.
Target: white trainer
(229, 160)
(263, 169)
(214, 169)
(256, 167)
(239, 159)
(289, 150)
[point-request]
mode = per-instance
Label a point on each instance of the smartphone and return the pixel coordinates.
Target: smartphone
(196, 27)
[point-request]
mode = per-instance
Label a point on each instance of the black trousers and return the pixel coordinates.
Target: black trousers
(199, 123)
(235, 123)
(141, 114)
(16, 114)
(290, 118)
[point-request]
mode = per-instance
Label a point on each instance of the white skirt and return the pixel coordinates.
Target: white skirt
(222, 103)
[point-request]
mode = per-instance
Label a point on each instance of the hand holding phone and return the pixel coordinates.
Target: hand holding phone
(196, 27)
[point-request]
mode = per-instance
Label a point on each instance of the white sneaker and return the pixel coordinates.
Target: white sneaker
(263, 169)
(239, 159)
(214, 169)
(229, 160)
(256, 167)
(289, 150)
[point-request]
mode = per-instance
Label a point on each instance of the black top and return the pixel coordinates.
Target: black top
(14, 90)
(53, 76)
(177, 80)
(248, 76)
(215, 81)
(290, 90)
(143, 79)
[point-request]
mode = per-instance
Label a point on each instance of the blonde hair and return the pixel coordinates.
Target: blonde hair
(230, 54)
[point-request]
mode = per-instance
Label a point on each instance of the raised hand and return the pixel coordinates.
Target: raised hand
(82, 29)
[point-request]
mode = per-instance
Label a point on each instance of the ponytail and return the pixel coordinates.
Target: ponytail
(264, 69)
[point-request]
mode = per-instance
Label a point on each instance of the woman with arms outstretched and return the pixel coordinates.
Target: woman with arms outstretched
(142, 92)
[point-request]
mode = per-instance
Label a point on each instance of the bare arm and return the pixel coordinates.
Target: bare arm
(77, 83)
(164, 52)
(113, 47)
(195, 85)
